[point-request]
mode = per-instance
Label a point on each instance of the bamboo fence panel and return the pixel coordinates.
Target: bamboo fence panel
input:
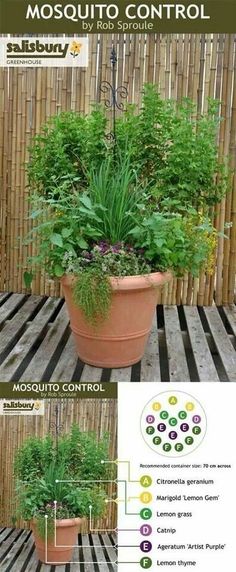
(96, 415)
(193, 65)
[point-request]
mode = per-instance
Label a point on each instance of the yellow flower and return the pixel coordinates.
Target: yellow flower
(75, 48)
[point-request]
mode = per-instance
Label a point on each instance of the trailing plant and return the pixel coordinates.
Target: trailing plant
(40, 477)
(92, 290)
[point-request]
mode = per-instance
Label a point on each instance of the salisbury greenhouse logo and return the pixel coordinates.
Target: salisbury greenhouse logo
(44, 52)
(21, 407)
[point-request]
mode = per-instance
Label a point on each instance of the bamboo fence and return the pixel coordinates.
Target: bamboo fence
(193, 65)
(96, 415)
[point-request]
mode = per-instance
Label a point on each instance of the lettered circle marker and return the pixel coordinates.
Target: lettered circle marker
(179, 425)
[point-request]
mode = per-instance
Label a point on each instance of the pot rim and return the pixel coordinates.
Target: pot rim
(64, 522)
(141, 281)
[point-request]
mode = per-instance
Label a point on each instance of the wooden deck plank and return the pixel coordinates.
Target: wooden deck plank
(110, 548)
(18, 553)
(178, 367)
(202, 355)
(4, 531)
(27, 333)
(150, 364)
(67, 362)
(7, 542)
(44, 354)
(26, 342)
(33, 563)
(100, 555)
(91, 373)
(46, 567)
(123, 374)
(24, 554)
(223, 344)
(10, 305)
(230, 313)
(87, 553)
(3, 296)
(12, 549)
(11, 329)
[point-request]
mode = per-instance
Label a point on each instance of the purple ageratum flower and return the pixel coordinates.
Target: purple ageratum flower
(87, 255)
(116, 248)
(101, 247)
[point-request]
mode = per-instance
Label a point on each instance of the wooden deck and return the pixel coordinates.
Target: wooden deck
(186, 344)
(94, 553)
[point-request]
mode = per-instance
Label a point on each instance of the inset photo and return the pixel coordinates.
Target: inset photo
(59, 490)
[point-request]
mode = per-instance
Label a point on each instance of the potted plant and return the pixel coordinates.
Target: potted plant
(57, 486)
(120, 221)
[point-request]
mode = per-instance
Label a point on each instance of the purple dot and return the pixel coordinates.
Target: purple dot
(196, 419)
(173, 435)
(184, 427)
(146, 546)
(161, 427)
(146, 529)
(150, 419)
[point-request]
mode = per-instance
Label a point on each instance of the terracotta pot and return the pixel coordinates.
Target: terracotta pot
(120, 340)
(66, 539)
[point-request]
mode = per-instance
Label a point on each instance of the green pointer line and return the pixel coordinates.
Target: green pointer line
(101, 481)
(117, 462)
(129, 479)
(126, 507)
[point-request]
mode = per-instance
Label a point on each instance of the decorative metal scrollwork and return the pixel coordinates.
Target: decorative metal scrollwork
(113, 95)
(56, 425)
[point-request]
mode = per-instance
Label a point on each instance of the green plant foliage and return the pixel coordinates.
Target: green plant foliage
(92, 293)
(40, 463)
(178, 243)
(117, 198)
(154, 191)
(67, 145)
(174, 149)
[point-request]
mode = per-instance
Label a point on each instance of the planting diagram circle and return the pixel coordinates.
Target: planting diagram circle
(173, 423)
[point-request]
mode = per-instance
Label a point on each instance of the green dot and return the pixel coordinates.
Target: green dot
(150, 430)
(196, 430)
(145, 562)
(173, 400)
(173, 421)
(146, 513)
(157, 440)
(146, 481)
(164, 415)
(166, 447)
(179, 447)
(182, 415)
(189, 440)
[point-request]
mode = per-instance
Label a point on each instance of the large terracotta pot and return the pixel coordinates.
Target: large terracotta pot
(120, 340)
(66, 539)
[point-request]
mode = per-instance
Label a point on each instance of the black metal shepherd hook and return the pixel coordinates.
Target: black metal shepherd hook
(114, 94)
(56, 425)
